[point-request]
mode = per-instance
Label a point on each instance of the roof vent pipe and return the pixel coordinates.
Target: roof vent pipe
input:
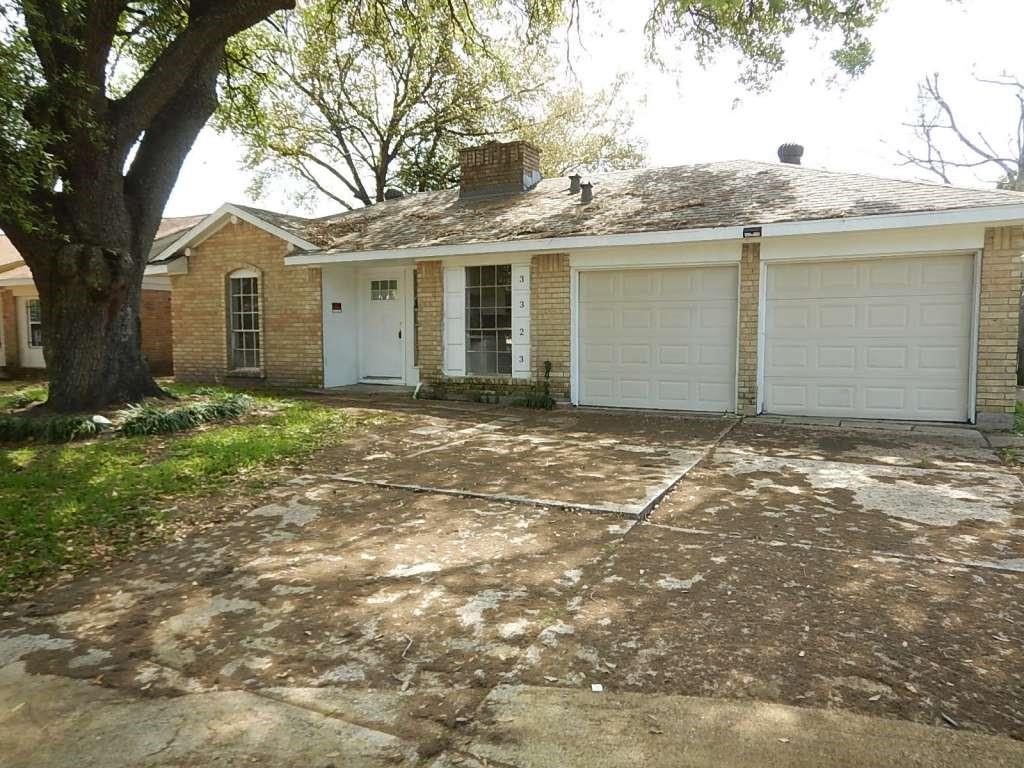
(588, 192)
(574, 184)
(791, 154)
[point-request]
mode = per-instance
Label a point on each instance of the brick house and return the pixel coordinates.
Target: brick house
(738, 286)
(21, 335)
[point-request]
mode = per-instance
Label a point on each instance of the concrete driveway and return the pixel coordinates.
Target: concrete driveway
(449, 589)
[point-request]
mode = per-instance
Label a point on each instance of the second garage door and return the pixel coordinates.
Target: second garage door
(658, 338)
(885, 338)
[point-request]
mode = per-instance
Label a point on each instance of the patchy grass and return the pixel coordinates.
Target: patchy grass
(21, 394)
(64, 508)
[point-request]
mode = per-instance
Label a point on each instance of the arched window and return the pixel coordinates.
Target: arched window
(245, 321)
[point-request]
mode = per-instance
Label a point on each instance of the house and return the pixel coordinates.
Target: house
(21, 330)
(736, 286)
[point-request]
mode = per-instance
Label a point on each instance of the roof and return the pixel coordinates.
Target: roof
(708, 195)
(171, 229)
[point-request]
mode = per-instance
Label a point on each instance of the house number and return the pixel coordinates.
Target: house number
(522, 304)
(522, 279)
(522, 331)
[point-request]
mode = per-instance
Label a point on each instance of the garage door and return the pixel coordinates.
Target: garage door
(658, 338)
(885, 338)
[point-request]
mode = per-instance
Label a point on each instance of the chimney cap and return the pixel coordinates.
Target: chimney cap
(791, 154)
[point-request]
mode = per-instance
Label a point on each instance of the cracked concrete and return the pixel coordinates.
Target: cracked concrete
(361, 624)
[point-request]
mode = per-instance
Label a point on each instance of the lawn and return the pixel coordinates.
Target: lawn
(66, 507)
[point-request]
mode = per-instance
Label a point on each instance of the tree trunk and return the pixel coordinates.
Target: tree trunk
(92, 331)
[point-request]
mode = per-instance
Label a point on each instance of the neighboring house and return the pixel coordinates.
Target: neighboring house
(737, 286)
(21, 330)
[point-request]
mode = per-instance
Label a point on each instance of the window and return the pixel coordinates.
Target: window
(34, 316)
(245, 320)
(489, 320)
(383, 290)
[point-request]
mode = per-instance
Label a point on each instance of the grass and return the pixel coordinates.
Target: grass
(1018, 417)
(67, 507)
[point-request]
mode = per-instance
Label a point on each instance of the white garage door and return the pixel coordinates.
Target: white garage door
(884, 338)
(658, 338)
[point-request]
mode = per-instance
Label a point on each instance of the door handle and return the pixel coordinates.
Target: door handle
(399, 333)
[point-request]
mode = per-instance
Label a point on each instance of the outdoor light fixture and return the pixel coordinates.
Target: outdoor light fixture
(751, 232)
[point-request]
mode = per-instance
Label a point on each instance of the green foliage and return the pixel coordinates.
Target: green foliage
(67, 506)
(539, 395)
(758, 31)
(55, 429)
(151, 419)
(24, 397)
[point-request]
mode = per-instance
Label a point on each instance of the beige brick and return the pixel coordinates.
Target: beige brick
(750, 277)
(292, 309)
(999, 320)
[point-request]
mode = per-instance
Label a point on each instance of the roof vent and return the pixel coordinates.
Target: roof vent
(574, 184)
(393, 194)
(588, 192)
(791, 154)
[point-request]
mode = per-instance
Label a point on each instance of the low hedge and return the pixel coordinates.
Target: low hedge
(149, 419)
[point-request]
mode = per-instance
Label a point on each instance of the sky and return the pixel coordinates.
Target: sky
(692, 115)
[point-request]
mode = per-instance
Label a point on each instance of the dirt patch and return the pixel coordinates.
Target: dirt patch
(676, 613)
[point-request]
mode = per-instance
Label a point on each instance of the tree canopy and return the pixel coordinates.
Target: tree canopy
(351, 104)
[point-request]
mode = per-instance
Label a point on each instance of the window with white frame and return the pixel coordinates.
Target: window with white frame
(383, 290)
(34, 323)
(245, 320)
(489, 320)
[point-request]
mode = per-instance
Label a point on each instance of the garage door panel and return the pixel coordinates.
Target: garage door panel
(899, 348)
(674, 349)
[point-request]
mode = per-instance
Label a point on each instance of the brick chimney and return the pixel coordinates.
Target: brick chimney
(497, 169)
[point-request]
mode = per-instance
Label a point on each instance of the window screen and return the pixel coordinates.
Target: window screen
(246, 336)
(489, 320)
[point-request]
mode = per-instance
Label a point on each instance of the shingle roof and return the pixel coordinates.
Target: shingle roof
(735, 193)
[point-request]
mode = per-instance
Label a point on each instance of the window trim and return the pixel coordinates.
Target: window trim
(241, 274)
(468, 328)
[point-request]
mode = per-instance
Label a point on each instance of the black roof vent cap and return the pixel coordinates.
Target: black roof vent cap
(791, 154)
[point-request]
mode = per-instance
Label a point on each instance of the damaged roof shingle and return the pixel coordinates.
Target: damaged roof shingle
(735, 193)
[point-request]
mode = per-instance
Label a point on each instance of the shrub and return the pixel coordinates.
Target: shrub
(58, 429)
(539, 396)
(150, 419)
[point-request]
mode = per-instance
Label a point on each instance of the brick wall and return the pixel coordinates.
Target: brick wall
(497, 167)
(157, 344)
(549, 319)
(430, 320)
(7, 317)
(746, 375)
(291, 302)
(998, 325)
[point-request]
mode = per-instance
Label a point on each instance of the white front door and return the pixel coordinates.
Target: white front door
(383, 327)
(882, 339)
(658, 338)
(30, 333)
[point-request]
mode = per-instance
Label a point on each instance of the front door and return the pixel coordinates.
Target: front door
(383, 328)
(30, 333)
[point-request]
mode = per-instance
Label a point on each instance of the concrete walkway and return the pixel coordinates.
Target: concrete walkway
(802, 595)
(543, 727)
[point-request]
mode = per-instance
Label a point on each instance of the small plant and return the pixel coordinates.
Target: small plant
(59, 429)
(150, 419)
(23, 398)
(539, 396)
